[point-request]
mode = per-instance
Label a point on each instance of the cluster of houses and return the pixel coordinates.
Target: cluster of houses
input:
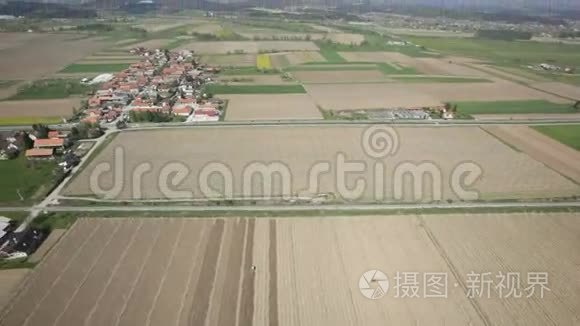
(163, 82)
(39, 145)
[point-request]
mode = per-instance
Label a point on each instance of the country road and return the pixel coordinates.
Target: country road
(289, 208)
(435, 122)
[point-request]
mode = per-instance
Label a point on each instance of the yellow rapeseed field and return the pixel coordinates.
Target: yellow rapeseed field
(263, 62)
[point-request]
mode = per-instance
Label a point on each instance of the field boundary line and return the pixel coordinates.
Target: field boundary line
(31, 277)
(138, 276)
(86, 276)
(158, 292)
(200, 243)
(273, 315)
(443, 254)
(243, 274)
(58, 278)
(247, 316)
(113, 272)
(207, 272)
(519, 82)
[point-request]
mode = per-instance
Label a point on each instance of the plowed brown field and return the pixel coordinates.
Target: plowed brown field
(299, 150)
(179, 271)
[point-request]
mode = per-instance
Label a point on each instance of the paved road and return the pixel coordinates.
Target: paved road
(282, 208)
(439, 122)
(143, 126)
(36, 210)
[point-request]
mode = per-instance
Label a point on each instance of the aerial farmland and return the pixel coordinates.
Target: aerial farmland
(304, 147)
(256, 166)
(265, 271)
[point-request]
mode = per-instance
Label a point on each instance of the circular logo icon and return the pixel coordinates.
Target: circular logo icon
(380, 141)
(373, 284)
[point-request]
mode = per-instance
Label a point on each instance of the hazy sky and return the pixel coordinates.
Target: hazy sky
(514, 4)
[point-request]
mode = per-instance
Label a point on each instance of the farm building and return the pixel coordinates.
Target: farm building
(40, 154)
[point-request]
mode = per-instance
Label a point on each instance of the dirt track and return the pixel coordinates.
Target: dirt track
(179, 271)
(542, 148)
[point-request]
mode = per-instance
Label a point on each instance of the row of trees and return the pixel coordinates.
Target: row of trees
(149, 116)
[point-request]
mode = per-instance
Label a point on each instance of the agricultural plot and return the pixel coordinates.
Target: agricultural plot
(209, 28)
(199, 271)
(255, 89)
(51, 89)
(150, 44)
(505, 52)
(298, 58)
(544, 149)
(560, 89)
(235, 47)
(369, 96)
(528, 116)
(330, 77)
(427, 32)
(434, 66)
(345, 38)
(438, 79)
(263, 62)
(377, 57)
(232, 60)
(568, 134)
(507, 174)
(29, 56)
(265, 34)
(264, 79)
(514, 107)
(270, 107)
(94, 68)
(10, 279)
(39, 108)
(484, 91)
(153, 25)
(24, 182)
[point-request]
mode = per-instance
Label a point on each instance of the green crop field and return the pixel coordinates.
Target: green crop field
(566, 134)
(372, 42)
(51, 89)
(255, 89)
(26, 121)
(31, 179)
(389, 69)
(429, 79)
(506, 52)
(514, 107)
(99, 68)
(345, 67)
(247, 71)
(331, 56)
